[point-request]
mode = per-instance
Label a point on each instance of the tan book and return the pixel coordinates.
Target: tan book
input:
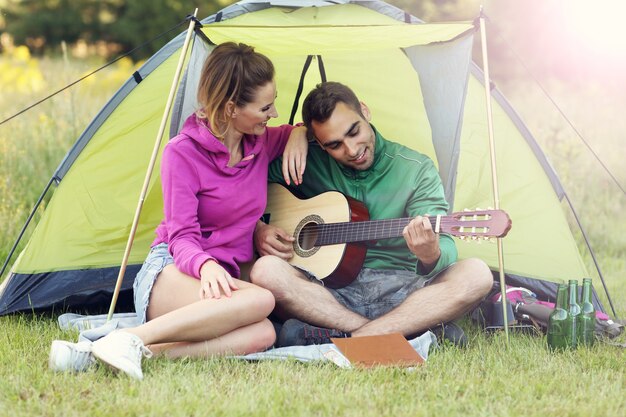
(382, 350)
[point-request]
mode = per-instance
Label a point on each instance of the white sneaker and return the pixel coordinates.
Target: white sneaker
(122, 351)
(66, 356)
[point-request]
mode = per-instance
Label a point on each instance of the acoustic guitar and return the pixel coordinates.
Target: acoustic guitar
(329, 227)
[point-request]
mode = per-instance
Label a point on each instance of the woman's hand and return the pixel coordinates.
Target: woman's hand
(294, 156)
(214, 280)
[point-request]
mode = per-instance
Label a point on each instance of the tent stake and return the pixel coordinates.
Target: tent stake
(155, 152)
(494, 175)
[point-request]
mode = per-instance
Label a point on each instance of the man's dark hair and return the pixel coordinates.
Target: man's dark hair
(320, 103)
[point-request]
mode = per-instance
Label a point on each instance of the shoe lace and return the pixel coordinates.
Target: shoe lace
(320, 335)
(137, 349)
(79, 357)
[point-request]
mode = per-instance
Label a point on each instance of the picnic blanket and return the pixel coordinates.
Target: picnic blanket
(92, 328)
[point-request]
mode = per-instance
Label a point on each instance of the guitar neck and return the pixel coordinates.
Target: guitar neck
(335, 233)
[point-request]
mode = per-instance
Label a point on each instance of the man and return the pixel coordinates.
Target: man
(406, 285)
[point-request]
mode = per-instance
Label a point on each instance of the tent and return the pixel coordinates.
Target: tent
(418, 80)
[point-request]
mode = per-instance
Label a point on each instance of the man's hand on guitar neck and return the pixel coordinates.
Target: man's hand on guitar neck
(423, 242)
(271, 240)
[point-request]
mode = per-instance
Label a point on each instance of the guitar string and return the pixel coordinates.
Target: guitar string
(368, 224)
(349, 231)
(314, 228)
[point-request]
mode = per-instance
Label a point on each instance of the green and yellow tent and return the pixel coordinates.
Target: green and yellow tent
(418, 80)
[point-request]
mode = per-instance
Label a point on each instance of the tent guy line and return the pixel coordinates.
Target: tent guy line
(558, 108)
(93, 72)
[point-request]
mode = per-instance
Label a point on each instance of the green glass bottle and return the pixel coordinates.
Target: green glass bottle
(557, 338)
(587, 321)
(573, 314)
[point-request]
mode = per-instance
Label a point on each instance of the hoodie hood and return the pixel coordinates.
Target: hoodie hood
(198, 131)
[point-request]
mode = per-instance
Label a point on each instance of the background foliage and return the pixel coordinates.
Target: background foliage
(43, 24)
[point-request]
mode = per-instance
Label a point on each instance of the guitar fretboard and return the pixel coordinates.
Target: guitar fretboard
(489, 223)
(334, 233)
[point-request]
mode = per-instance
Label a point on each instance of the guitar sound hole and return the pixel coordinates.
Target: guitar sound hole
(308, 236)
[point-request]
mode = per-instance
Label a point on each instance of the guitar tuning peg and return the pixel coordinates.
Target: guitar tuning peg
(466, 209)
(486, 238)
(474, 237)
(462, 237)
(490, 208)
(479, 209)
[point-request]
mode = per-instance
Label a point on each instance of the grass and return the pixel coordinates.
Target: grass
(486, 379)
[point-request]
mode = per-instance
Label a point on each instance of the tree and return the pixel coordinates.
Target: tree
(36, 23)
(142, 20)
(44, 24)
(439, 10)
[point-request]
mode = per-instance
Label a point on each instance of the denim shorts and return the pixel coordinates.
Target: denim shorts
(158, 258)
(375, 292)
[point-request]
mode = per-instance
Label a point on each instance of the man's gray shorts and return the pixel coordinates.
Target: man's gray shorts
(376, 291)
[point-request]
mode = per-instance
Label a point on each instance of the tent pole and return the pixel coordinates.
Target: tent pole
(494, 176)
(155, 152)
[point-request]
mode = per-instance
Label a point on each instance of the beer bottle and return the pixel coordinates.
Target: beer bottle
(573, 314)
(587, 322)
(557, 339)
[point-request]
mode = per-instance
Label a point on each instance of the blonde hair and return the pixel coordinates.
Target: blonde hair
(232, 72)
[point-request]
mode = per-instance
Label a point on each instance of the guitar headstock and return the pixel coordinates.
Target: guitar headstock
(477, 224)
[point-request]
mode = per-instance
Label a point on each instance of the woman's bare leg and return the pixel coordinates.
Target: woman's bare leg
(253, 338)
(226, 325)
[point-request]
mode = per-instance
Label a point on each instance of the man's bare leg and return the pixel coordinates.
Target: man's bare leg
(297, 297)
(453, 293)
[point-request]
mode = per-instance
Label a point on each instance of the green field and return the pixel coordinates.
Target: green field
(488, 378)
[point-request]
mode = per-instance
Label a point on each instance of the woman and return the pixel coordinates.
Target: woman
(214, 177)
